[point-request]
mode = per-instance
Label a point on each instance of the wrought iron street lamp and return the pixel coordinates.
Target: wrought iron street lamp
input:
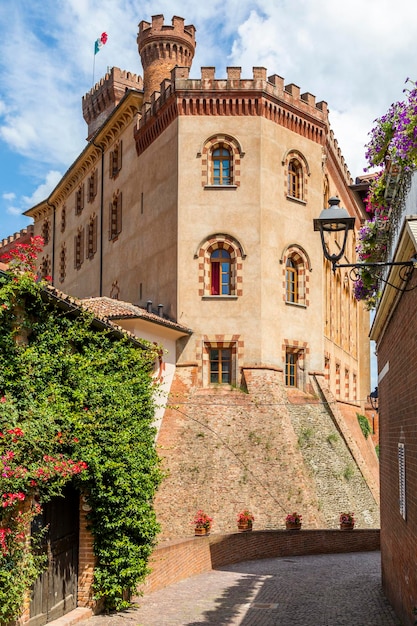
(336, 219)
(373, 399)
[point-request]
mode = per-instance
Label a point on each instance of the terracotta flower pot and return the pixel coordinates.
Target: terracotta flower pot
(347, 526)
(292, 526)
(244, 526)
(201, 531)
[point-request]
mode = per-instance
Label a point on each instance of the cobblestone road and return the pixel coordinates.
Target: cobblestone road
(324, 590)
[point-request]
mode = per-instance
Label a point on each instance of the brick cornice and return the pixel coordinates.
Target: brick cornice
(236, 103)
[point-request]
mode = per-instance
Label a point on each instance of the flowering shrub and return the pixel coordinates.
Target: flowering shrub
(293, 518)
(202, 520)
(22, 258)
(76, 405)
(347, 518)
(393, 149)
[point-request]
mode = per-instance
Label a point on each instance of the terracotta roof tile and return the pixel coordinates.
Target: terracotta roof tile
(117, 309)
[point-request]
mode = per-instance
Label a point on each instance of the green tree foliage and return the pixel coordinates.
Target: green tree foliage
(76, 404)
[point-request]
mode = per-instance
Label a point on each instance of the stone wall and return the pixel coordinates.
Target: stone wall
(226, 450)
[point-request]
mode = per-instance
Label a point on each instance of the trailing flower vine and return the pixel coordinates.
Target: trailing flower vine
(393, 149)
(76, 405)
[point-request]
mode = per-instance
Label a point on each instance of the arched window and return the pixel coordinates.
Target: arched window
(295, 179)
(295, 275)
(220, 271)
(221, 160)
(291, 281)
(220, 262)
(221, 157)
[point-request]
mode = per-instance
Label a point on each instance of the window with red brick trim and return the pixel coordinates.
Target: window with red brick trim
(222, 165)
(92, 237)
(115, 216)
(46, 231)
(220, 365)
(295, 179)
(79, 249)
(221, 278)
(62, 264)
(79, 199)
(115, 160)
(92, 186)
(291, 281)
(63, 218)
(291, 378)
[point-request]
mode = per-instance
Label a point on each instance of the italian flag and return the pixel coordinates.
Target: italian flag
(100, 42)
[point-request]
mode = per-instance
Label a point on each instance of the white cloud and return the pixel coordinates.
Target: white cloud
(14, 210)
(354, 55)
(44, 189)
(9, 196)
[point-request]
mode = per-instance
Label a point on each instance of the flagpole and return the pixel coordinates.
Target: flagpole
(97, 45)
(94, 65)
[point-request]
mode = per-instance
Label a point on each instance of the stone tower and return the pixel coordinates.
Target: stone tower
(163, 47)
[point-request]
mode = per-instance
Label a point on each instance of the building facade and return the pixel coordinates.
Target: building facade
(394, 331)
(196, 197)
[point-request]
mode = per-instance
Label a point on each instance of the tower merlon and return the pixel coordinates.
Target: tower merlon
(100, 101)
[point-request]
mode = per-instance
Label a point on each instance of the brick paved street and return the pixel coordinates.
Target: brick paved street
(324, 590)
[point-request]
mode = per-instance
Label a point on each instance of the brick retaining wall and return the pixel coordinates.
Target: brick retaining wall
(176, 560)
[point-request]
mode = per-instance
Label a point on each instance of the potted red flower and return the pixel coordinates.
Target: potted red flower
(245, 520)
(347, 521)
(293, 521)
(202, 523)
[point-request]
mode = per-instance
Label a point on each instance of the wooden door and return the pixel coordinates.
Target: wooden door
(55, 592)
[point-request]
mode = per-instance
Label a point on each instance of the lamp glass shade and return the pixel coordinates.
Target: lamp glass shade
(334, 219)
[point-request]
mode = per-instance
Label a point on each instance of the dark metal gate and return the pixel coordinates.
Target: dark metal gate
(55, 591)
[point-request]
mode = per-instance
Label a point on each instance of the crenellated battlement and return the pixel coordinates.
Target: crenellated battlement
(22, 236)
(99, 102)
(162, 47)
(206, 94)
(263, 95)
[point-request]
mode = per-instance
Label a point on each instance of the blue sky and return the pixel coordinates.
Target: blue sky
(356, 56)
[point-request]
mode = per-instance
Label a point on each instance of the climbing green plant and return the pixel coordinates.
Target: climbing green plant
(364, 424)
(76, 404)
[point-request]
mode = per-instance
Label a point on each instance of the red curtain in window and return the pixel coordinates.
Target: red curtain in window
(215, 279)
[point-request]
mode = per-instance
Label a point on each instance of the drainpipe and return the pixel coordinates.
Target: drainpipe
(101, 217)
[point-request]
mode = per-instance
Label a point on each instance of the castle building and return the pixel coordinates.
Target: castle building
(196, 197)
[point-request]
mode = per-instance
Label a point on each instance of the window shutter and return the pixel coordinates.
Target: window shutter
(119, 214)
(119, 156)
(75, 251)
(110, 220)
(215, 279)
(94, 235)
(401, 477)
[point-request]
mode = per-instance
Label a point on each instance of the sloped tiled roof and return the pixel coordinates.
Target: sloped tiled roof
(117, 309)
